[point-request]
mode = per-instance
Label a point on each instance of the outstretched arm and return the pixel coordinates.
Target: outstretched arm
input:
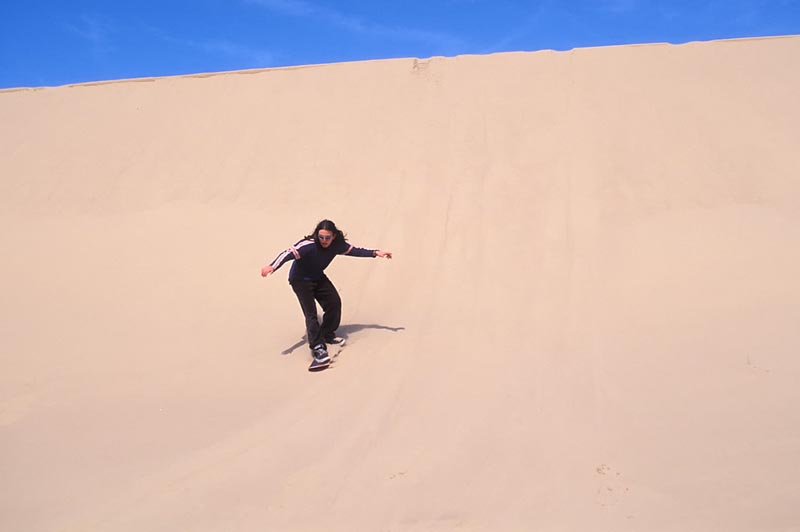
(280, 260)
(362, 252)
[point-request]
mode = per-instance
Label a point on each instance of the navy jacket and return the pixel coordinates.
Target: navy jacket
(311, 259)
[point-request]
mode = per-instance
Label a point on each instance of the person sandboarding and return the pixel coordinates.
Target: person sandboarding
(311, 256)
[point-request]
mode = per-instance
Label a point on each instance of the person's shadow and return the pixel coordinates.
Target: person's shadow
(344, 331)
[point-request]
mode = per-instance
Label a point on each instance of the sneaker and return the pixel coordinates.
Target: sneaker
(336, 340)
(321, 354)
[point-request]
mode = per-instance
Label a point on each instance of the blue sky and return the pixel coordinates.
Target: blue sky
(48, 43)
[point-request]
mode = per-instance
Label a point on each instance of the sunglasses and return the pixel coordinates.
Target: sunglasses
(325, 237)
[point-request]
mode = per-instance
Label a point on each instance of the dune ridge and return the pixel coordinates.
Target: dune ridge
(590, 322)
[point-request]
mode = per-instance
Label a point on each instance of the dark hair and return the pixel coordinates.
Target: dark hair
(326, 225)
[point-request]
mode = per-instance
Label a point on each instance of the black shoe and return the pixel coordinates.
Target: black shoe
(321, 358)
(321, 354)
(336, 340)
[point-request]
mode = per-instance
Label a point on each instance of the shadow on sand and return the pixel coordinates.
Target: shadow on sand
(345, 331)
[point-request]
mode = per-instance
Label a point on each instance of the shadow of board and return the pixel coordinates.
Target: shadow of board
(344, 331)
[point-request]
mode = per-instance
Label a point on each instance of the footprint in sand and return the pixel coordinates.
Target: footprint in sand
(610, 489)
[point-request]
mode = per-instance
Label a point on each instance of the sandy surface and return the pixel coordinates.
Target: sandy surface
(590, 323)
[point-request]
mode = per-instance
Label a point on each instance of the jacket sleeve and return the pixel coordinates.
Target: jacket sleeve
(359, 252)
(282, 258)
(294, 252)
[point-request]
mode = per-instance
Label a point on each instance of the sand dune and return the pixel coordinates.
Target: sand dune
(590, 323)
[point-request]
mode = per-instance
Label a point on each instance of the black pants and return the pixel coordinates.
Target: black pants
(323, 291)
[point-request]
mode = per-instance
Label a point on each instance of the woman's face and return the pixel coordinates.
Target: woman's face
(325, 237)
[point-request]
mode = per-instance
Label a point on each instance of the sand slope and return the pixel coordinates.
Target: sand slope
(590, 322)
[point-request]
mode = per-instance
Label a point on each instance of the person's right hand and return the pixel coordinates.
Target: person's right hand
(266, 270)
